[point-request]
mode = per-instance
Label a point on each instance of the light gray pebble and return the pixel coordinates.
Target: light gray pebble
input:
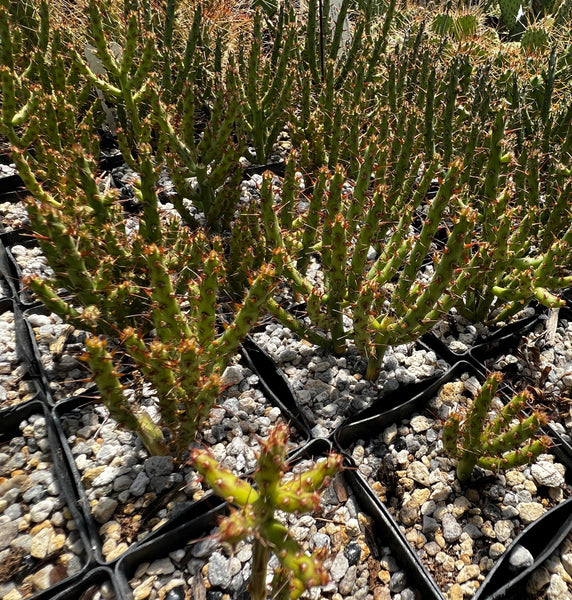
(8, 533)
(451, 529)
(34, 494)
(245, 553)
(122, 483)
(408, 594)
(107, 452)
(503, 530)
(233, 375)
(558, 589)
(39, 320)
(162, 566)
(104, 508)
(288, 355)
(548, 474)
(473, 531)
(430, 525)
(319, 540)
(204, 548)
(42, 510)
(218, 573)
(13, 511)
(510, 512)
(319, 431)
(348, 581)
(339, 566)
(520, 558)
(106, 477)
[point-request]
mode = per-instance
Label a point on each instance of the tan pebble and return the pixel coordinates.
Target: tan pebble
(331, 528)
(144, 590)
(514, 478)
(466, 548)
(459, 564)
(415, 539)
(41, 542)
(465, 559)
(381, 593)
(407, 483)
(365, 551)
(486, 564)
(384, 576)
(117, 552)
(530, 511)
(496, 549)
(470, 588)
(111, 529)
(57, 542)
(440, 539)
(455, 592)
(488, 530)
(467, 573)
(420, 496)
(37, 528)
(530, 486)
(108, 546)
(379, 489)
(24, 522)
(173, 583)
(41, 579)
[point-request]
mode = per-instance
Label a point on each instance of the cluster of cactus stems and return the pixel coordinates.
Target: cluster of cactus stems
(503, 441)
(132, 286)
(255, 516)
(382, 312)
(374, 131)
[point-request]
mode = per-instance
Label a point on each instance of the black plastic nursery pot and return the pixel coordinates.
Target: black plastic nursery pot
(9, 276)
(51, 545)
(191, 522)
(540, 538)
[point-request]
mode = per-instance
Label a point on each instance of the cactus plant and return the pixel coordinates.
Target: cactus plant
(255, 515)
(503, 441)
(382, 313)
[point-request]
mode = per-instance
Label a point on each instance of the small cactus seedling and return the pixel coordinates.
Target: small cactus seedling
(255, 514)
(506, 441)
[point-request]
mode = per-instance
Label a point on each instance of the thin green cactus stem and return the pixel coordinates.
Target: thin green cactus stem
(101, 364)
(257, 508)
(507, 440)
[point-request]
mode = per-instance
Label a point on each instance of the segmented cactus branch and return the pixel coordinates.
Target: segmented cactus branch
(276, 489)
(496, 442)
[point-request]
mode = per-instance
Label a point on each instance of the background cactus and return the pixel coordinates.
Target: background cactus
(276, 489)
(503, 441)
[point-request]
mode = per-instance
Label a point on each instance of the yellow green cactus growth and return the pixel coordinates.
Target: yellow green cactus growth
(475, 438)
(256, 508)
